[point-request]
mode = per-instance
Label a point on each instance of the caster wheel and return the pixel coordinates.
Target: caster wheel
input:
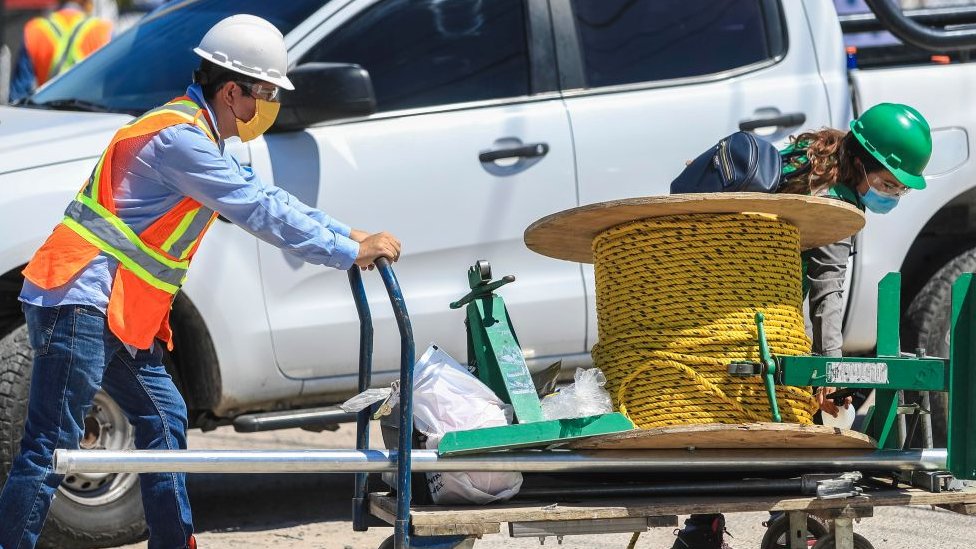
(777, 533)
(387, 543)
(827, 542)
(484, 269)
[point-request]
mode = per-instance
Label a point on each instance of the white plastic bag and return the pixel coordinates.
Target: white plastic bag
(446, 397)
(585, 397)
(365, 399)
(389, 395)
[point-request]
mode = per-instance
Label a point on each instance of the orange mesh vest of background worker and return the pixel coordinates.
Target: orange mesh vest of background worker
(56, 42)
(152, 264)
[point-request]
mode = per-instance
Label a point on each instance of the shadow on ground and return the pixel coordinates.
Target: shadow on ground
(262, 502)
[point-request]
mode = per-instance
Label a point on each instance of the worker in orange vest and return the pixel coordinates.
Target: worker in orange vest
(53, 44)
(98, 293)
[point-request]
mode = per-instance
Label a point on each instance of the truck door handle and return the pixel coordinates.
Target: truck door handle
(531, 150)
(783, 120)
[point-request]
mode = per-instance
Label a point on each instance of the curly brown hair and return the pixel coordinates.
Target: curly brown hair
(831, 158)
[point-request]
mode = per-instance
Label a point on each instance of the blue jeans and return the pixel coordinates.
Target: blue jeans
(74, 355)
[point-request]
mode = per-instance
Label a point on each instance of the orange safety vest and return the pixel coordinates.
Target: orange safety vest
(55, 43)
(153, 264)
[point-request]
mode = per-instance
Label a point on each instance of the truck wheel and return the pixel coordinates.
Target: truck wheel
(928, 319)
(90, 510)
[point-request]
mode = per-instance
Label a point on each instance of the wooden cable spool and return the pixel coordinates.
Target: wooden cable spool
(666, 369)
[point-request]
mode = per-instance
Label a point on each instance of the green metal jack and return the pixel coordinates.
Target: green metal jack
(494, 352)
(890, 372)
(766, 367)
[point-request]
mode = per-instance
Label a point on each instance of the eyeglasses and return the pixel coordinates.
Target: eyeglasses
(261, 90)
(889, 188)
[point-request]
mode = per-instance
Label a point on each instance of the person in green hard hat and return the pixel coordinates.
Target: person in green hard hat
(872, 166)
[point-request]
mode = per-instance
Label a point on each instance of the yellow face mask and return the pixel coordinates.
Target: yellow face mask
(265, 113)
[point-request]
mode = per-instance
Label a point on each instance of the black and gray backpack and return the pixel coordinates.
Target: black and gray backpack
(741, 162)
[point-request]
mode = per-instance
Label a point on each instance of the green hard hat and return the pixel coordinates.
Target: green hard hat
(898, 136)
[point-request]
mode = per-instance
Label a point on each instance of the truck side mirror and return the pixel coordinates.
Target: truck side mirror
(325, 91)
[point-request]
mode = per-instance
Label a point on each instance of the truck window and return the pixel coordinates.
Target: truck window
(152, 62)
(427, 53)
(630, 41)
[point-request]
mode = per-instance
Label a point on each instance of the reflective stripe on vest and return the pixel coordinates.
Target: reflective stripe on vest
(68, 36)
(62, 39)
(111, 235)
(99, 226)
(188, 232)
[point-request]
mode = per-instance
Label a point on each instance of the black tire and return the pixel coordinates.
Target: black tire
(926, 324)
(827, 542)
(107, 513)
(778, 529)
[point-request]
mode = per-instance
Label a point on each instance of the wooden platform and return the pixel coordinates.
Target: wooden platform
(487, 519)
(743, 436)
(569, 234)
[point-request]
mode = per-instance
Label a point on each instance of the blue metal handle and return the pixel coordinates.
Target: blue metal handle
(407, 358)
(360, 503)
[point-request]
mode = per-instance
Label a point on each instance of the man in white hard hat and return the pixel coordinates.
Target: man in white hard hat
(97, 294)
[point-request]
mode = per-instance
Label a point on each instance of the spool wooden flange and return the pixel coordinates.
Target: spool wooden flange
(569, 234)
(739, 436)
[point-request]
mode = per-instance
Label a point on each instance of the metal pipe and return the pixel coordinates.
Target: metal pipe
(554, 461)
(734, 487)
(930, 17)
(290, 419)
(902, 424)
(920, 36)
(927, 441)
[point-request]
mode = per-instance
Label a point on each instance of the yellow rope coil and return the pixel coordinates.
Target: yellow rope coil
(676, 303)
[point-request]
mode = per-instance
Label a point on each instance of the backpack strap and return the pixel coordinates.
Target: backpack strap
(795, 161)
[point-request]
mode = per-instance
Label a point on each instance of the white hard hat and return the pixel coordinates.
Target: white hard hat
(248, 45)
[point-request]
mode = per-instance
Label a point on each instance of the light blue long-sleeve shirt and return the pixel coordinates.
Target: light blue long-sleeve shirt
(182, 161)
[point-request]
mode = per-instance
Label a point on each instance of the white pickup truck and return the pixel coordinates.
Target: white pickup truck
(467, 120)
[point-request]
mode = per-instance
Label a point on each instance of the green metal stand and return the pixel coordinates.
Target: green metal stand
(493, 349)
(889, 345)
(962, 379)
(889, 372)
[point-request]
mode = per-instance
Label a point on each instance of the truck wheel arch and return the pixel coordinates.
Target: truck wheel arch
(193, 362)
(949, 233)
(942, 251)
